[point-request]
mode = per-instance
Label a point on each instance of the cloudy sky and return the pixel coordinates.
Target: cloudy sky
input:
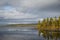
(27, 11)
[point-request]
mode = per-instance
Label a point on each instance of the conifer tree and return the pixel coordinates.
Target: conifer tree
(44, 24)
(47, 23)
(39, 27)
(39, 24)
(50, 23)
(59, 21)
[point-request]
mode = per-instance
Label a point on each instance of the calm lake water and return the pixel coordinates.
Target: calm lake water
(19, 33)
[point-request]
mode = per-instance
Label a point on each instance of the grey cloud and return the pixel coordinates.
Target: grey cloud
(48, 11)
(23, 5)
(42, 8)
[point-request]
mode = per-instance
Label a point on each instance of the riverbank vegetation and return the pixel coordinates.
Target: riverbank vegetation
(50, 27)
(19, 25)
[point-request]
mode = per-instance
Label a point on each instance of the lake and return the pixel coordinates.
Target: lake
(19, 33)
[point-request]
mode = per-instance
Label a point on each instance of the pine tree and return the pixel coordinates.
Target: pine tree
(59, 21)
(47, 23)
(55, 22)
(39, 24)
(44, 24)
(50, 23)
(39, 27)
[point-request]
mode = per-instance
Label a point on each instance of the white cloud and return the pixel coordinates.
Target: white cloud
(14, 14)
(24, 5)
(26, 9)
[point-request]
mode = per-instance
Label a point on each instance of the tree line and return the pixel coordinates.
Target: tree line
(49, 24)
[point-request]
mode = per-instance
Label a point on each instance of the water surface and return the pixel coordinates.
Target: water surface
(19, 33)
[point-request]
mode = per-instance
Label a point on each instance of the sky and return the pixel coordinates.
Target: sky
(27, 11)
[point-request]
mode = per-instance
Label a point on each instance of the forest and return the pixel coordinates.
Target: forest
(50, 27)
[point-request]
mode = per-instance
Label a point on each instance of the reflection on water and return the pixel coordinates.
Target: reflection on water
(19, 33)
